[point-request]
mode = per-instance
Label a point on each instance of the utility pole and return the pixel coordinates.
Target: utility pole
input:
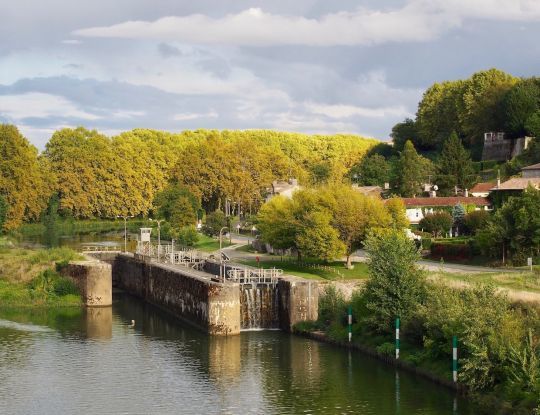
(159, 234)
(220, 252)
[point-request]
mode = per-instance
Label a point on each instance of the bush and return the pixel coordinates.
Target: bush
(215, 221)
(331, 305)
(452, 250)
(437, 223)
(386, 349)
(187, 236)
(474, 221)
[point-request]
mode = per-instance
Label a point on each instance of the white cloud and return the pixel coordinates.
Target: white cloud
(71, 42)
(418, 20)
(346, 111)
(39, 105)
(194, 115)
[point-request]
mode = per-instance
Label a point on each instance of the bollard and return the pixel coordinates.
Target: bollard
(350, 323)
(454, 358)
(397, 338)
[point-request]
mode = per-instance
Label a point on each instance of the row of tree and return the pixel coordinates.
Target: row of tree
(326, 222)
(408, 171)
(93, 175)
(490, 100)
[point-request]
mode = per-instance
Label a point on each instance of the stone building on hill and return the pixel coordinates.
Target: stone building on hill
(499, 148)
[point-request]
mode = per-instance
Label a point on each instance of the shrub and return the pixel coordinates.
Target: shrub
(437, 223)
(386, 349)
(187, 236)
(474, 221)
(451, 250)
(331, 305)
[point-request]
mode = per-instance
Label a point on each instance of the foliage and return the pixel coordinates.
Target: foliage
(24, 181)
(187, 236)
(454, 166)
(331, 305)
(474, 221)
(519, 104)
(372, 171)
(324, 223)
(396, 286)
(177, 205)
(514, 229)
(411, 171)
(403, 132)
(455, 251)
(215, 221)
(396, 208)
(3, 212)
(469, 107)
(458, 215)
(436, 223)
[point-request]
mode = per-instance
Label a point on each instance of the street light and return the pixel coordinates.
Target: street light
(125, 229)
(158, 234)
(220, 253)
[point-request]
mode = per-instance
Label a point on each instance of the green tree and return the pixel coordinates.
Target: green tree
(354, 215)
(316, 237)
(396, 286)
(454, 166)
(178, 206)
(411, 171)
(396, 209)
(436, 223)
(372, 171)
(475, 220)
(514, 230)
(3, 212)
(186, 236)
(438, 114)
(215, 221)
(403, 131)
(276, 223)
(520, 103)
(25, 179)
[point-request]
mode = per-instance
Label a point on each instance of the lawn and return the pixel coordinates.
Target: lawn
(314, 270)
(208, 244)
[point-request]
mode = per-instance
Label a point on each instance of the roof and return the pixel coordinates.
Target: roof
(533, 167)
(445, 201)
(368, 190)
(519, 183)
(482, 187)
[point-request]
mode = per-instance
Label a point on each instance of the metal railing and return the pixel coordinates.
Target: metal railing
(169, 254)
(254, 276)
(97, 248)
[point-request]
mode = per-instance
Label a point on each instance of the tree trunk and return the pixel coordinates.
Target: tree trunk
(349, 262)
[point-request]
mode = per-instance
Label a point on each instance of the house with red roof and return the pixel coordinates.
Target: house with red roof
(417, 207)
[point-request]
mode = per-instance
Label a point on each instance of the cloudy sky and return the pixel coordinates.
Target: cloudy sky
(314, 66)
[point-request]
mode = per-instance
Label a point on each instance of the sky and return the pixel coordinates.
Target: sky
(313, 66)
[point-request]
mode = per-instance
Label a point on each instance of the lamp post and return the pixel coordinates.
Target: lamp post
(158, 221)
(220, 253)
(125, 229)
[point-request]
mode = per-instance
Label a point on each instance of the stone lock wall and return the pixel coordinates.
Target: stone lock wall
(94, 280)
(188, 294)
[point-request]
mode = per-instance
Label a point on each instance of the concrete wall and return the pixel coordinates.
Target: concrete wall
(94, 279)
(188, 294)
(298, 301)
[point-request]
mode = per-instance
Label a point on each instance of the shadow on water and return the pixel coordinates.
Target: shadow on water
(164, 366)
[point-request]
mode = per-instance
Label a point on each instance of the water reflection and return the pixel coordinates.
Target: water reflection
(160, 366)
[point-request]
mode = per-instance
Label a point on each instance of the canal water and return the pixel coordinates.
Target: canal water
(67, 361)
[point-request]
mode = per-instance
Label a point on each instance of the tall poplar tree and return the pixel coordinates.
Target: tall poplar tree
(454, 166)
(411, 171)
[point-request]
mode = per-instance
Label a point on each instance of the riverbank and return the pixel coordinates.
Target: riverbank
(497, 341)
(28, 277)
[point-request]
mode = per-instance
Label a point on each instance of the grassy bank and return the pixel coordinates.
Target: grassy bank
(207, 244)
(313, 269)
(28, 277)
(497, 341)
